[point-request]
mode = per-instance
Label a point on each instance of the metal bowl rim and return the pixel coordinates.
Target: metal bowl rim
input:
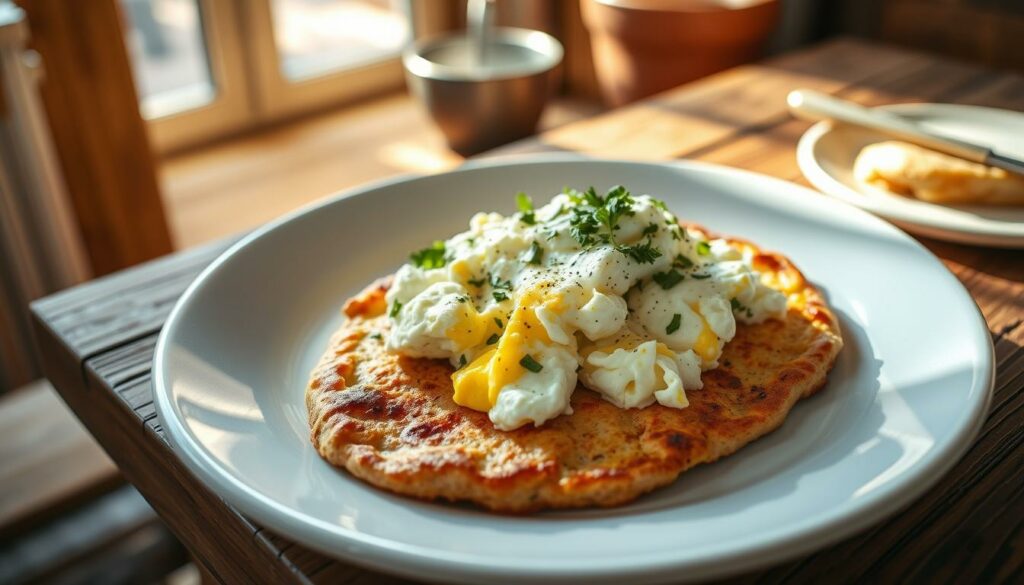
(540, 42)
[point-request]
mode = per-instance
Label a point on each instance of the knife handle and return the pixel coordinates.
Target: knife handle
(814, 105)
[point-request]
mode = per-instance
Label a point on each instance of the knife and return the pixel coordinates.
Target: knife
(813, 105)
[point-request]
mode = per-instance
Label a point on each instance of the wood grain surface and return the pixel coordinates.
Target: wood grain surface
(98, 338)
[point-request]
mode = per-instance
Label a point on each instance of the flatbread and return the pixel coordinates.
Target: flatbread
(390, 420)
(912, 171)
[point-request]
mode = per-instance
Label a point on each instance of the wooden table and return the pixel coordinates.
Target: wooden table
(97, 339)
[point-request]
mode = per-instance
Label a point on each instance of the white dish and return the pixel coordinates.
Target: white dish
(906, 397)
(826, 153)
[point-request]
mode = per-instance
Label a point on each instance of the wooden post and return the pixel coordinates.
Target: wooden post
(99, 134)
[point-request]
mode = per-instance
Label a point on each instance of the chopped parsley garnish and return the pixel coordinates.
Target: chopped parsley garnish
(493, 339)
(617, 203)
(501, 288)
(477, 282)
(644, 253)
(376, 335)
(535, 254)
(462, 361)
(583, 227)
(703, 248)
(672, 221)
(525, 205)
(395, 309)
(595, 218)
(667, 280)
(498, 321)
(673, 325)
(741, 308)
(432, 257)
(530, 364)
(700, 276)
(682, 262)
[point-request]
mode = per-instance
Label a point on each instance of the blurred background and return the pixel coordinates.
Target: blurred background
(132, 128)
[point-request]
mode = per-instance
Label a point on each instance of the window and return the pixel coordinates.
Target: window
(171, 66)
(206, 68)
(314, 37)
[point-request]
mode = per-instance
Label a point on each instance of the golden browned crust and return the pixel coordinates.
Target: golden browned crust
(391, 421)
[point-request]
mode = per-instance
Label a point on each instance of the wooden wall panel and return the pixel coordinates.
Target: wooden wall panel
(983, 31)
(100, 136)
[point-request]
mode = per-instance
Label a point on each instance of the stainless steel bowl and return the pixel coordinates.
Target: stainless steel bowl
(480, 106)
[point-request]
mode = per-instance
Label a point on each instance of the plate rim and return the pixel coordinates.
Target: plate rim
(385, 555)
(832, 187)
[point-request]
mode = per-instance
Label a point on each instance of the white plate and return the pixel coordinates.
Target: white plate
(827, 151)
(905, 399)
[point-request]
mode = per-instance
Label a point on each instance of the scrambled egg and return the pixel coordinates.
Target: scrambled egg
(607, 288)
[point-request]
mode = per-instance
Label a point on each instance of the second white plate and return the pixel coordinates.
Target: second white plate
(827, 151)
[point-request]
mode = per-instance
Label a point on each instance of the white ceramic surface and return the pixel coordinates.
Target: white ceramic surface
(904, 401)
(826, 153)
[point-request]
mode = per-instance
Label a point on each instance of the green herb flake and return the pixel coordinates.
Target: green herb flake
(493, 339)
(395, 310)
(498, 322)
(525, 205)
(703, 248)
(667, 280)
(477, 282)
(673, 325)
(462, 361)
(377, 336)
(535, 255)
(530, 364)
(617, 203)
(651, 229)
(644, 253)
(432, 257)
(500, 295)
(595, 218)
(739, 307)
(700, 276)
(682, 262)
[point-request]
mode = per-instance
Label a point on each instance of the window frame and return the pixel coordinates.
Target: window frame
(231, 108)
(280, 96)
(251, 88)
